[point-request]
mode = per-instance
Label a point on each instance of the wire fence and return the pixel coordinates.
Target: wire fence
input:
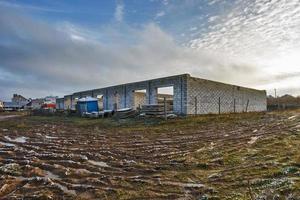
(218, 105)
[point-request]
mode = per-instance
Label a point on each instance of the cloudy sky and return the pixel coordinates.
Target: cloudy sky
(59, 47)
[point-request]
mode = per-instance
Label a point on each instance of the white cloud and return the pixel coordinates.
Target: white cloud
(119, 12)
(213, 18)
(160, 14)
(165, 2)
(241, 47)
(64, 64)
(194, 28)
(262, 33)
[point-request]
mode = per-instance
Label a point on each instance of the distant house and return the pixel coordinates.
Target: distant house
(50, 102)
(19, 99)
(36, 104)
(17, 102)
(60, 104)
(12, 106)
(283, 102)
(1, 105)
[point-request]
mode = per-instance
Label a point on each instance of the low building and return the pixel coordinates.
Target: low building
(37, 104)
(49, 102)
(283, 102)
(190, 95)
(19, 99)
(1, 105)
(60, 104)
(18, 102)
(13, 106)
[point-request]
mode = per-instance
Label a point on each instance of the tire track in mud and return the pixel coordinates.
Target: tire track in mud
(57, 159)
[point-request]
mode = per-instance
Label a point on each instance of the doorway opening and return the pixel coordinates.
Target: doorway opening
(166, 93)
(139, 99)
(100, 102)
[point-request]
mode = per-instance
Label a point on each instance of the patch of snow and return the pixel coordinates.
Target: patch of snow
(51, 137)
(18, 139)
(292, 117)
(253, 140)
(7, 144)
(129, 161)
(51, 175)
(214, 175)
(188, 185)
(211, 147)
(65, 189)
(98, 163)
(199, 150)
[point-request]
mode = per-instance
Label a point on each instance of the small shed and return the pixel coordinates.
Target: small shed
(87, 104)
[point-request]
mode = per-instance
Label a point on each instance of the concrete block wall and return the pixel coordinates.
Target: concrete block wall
(126, 92)
(185, 89)
(123, 94)
(232, 98)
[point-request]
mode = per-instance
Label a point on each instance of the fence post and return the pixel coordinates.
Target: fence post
(247, 105)
(165, 108)
(234, 110)
(196, 105)
(219, 105)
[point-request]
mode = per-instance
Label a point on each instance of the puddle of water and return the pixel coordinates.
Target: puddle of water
(98, 163)
(7, 144)
(18, 139)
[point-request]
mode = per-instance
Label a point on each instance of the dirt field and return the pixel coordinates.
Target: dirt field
(241, 156)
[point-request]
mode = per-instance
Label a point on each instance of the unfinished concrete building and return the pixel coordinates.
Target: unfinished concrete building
(188, 95)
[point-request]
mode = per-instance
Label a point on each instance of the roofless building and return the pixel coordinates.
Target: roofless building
(187, 95)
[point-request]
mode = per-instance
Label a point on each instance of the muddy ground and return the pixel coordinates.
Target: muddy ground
(237, 156)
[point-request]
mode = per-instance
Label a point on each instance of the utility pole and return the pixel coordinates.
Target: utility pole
(276, 99)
